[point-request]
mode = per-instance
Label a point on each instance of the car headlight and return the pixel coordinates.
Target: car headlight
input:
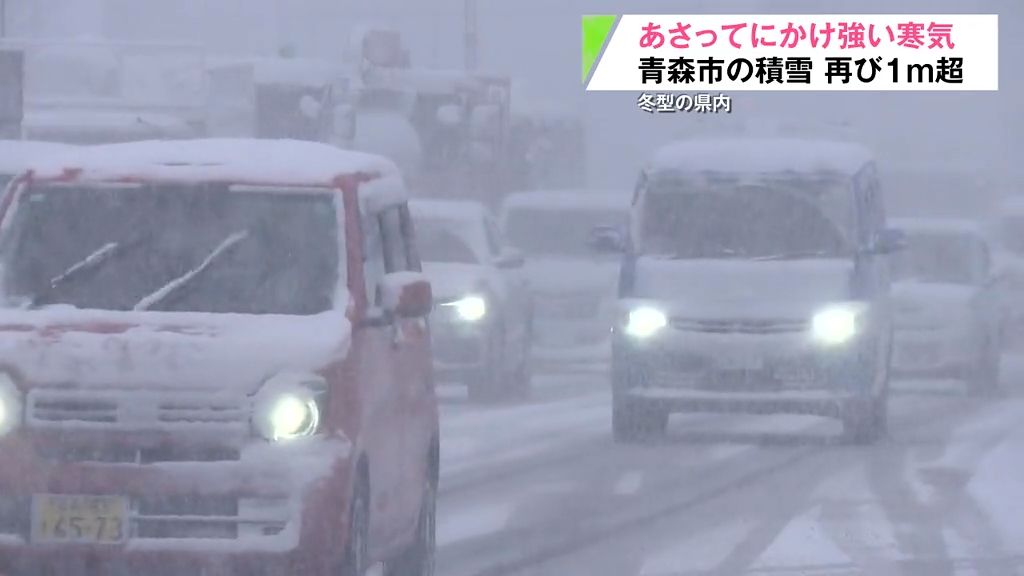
(288, 406)
(645, 321)
(471, 308)
(11, 405)
(836, 324)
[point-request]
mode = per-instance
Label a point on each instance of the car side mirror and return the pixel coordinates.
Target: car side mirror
(606, 240)
(406, 295)
(510, 258)
(889, 241)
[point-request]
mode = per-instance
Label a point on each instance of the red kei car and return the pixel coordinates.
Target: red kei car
(214, 360)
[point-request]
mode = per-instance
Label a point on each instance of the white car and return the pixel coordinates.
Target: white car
(948, 322)
(754, 279)
(481, 326)
(574, 286)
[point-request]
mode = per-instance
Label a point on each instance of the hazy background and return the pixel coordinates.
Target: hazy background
(537, 42)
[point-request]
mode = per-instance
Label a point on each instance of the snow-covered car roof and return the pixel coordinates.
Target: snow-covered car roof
(569, 199)
(251, 161)
(16, 156)
(760, 156)
(960, 226)
(447, 209)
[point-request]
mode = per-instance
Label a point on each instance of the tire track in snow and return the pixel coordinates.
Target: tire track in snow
(739, 473)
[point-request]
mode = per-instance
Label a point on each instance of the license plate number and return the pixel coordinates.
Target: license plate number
(740, 362)
(79, 519)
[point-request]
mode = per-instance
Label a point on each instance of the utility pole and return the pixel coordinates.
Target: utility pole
(471, 38)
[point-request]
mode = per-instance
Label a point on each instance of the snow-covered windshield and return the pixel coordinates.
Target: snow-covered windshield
(550, 232)
(173, 248)
(938, 258)
(732, 221)
(441, 241)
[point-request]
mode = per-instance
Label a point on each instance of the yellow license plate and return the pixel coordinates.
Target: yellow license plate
(79, 519)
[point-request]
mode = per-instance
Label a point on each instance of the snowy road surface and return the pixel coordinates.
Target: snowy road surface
(539, 488)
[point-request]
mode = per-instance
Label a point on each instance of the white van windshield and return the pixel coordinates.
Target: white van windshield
(733, 221)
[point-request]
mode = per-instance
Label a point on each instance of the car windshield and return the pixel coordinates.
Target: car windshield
(439, 241)
(550, 232)
(731, 221)
(173, 248)
(937, 258)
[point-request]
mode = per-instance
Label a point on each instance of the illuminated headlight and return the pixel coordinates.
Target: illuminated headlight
(644, 322)
(288, 407)
(10, 405)
(470, 308)
(836, 325)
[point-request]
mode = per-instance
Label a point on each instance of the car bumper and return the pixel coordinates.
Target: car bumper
(934, 353)
(778, 373)
(459, 349)
(825, 403)
(250, 516)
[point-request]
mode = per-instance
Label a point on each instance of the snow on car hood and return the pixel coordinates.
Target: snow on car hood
(917, 302)
(91, 348)
(567, 275)
(746, 289)
(449, 281)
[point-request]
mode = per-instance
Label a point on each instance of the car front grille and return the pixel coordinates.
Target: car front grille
(134, 410)
(745, 326)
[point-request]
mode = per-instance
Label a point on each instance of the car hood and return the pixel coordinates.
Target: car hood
(920, 302)
(450, 281)
(571, 276)
(746, 289)
(222, 352)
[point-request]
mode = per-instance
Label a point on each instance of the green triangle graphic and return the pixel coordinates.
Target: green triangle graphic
(596, 29)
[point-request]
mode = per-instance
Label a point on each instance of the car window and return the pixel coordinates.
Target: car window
(373, 257)
(176, 248)
(409, 239)
(396, 257)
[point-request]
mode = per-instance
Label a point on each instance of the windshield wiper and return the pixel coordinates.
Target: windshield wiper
(793, 255)
(90, 263)
(177, 283)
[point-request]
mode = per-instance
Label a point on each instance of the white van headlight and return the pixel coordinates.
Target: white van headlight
(836, 324)
(645, 321)
(471, 308)
(289, 406)
(11, 405)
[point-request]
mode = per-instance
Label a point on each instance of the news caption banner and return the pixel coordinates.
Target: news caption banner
(706, 55)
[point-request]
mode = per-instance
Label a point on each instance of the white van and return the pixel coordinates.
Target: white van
(755, 279)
